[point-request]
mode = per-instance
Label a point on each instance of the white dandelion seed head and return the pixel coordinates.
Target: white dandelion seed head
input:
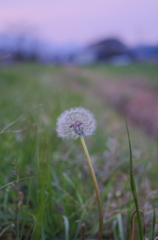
(75, 122)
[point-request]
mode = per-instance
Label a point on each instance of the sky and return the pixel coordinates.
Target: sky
(82, 21)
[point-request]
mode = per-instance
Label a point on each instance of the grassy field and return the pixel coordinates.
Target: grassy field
(141, 70)
(50, 193)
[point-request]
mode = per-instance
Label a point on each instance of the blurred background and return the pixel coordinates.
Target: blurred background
(81, 32)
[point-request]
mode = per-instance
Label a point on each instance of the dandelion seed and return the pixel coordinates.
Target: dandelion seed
(76, 122)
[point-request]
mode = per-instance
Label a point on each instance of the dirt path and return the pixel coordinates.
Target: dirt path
(136, 98)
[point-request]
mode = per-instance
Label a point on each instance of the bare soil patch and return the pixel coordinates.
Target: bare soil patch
(136, 98)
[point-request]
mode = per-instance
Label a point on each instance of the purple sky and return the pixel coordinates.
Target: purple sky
(83, 21)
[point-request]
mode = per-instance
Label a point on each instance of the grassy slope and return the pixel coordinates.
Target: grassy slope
(32, 98)
(143, 70)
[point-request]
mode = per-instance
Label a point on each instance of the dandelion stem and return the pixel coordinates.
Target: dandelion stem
(96, 188)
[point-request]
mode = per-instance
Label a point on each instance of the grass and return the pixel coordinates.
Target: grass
(57, 196)
(138, 70)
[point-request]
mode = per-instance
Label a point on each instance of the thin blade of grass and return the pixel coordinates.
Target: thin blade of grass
(11, 124)
(132, 183)
(154, 223)
(8, 184)
(94, 229)
(120, 226)
(66, 223)
(114, 229)
(69, 180)
(4, 230)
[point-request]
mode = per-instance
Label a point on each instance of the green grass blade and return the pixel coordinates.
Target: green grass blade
(133, 185)
(10, 183)
(154, 223)
(11, 124)
(66, 223)
(120, 226)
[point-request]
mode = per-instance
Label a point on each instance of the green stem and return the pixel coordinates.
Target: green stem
(96, 188)
(133, 185)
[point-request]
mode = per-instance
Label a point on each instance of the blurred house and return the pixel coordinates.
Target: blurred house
(109, 50)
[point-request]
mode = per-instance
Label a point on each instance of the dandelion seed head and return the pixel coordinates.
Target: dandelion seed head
(75, 122)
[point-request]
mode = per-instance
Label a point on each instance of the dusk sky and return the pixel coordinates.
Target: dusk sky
(83, 21)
